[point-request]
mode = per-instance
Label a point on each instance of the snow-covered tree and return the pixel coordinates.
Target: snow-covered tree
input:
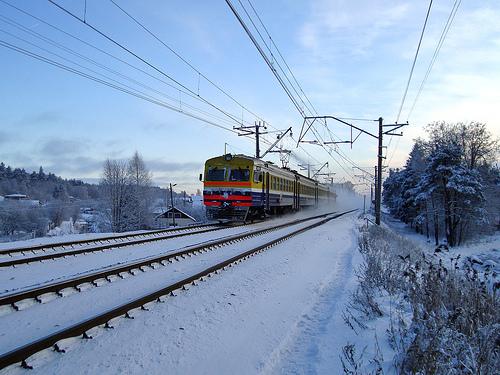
(440, 189)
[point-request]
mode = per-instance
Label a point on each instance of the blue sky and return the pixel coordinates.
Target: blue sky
(352, 59)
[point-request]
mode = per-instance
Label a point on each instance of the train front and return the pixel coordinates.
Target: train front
(227, 187)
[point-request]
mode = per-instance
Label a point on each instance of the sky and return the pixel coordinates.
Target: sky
(351, 58)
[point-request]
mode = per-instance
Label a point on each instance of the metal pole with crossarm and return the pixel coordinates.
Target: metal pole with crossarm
(308, 123)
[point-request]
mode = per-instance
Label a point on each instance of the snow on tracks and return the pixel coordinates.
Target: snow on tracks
(83, 326)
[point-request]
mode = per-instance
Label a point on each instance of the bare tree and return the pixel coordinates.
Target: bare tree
(116, 189)
(140, 181)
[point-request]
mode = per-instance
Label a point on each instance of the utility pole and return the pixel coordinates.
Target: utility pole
(251, 130)
(378, 190)
(172, 201)
(257, 143)
(255, 129)
(307, 124)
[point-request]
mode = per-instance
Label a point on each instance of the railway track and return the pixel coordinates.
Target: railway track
(116, 242)
(131, 268)
(21, 353)
(100, 240)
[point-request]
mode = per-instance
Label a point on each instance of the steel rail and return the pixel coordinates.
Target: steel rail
(24, 352)
(95, 240)
(114, 245)
(57, 287)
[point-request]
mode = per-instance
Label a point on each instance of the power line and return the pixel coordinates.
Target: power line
(106, 83)
(100, 50)
(50, 41)
(118, 44)
(119, 86)
(442, 38)
(281, 56)
(264, 56)
(414, 61)
(218, 87)
(138, 57)
(270, 64)
(131, 91)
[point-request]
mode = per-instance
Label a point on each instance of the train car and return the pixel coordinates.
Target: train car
(240, 187)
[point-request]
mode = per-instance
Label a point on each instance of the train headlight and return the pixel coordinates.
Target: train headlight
(228, 157)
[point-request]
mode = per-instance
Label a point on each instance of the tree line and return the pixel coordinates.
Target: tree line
(123, 200)
(43, 186)
(450, 184)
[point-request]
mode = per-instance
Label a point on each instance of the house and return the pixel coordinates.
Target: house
(20, 199)
(16, 197)
(167, 218)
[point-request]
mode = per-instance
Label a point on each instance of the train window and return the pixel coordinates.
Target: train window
(239, 174)
(216, 174)
(257, 176)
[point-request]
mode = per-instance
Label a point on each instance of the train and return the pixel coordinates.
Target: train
(241, 188)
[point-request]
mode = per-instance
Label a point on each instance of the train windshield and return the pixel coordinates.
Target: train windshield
(239, 174)
(216, 174)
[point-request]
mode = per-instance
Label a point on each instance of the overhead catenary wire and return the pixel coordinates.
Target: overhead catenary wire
(414, 61)
(137, 56)
(194, 96)
(270, 64)
(442, 38)
(264, 56)
(95, 63)
(89, 76)
(281, 56)
(74, 37)
(141, 59)
(106, 83)
(184, 60)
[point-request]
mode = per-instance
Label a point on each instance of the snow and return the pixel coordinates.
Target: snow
(485, 250)
(39, 273)
(260, 316)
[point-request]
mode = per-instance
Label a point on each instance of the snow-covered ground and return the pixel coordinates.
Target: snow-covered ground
(372, 347)
(278, 312)
(483, 253)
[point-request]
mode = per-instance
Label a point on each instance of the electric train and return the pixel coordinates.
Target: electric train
(240, 188)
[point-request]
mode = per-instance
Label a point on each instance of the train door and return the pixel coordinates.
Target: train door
(298, 195)
(267, 192)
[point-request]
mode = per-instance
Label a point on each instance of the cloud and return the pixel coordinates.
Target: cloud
(57, 147)
(339, 25)
(4, 137)
(157, 165)
(46, 117)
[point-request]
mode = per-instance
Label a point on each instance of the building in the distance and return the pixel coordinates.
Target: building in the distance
(171, 215)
